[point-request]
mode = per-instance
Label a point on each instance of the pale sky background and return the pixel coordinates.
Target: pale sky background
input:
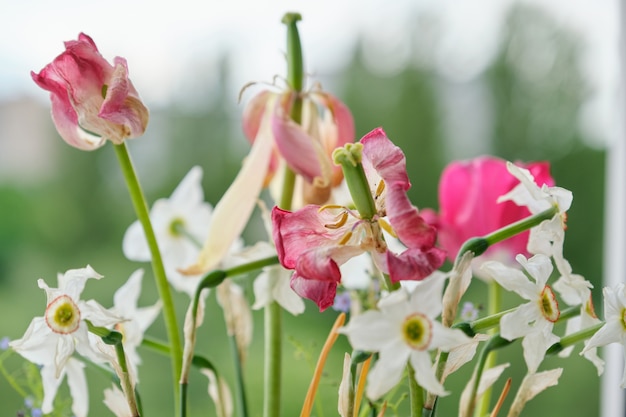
(161, 39)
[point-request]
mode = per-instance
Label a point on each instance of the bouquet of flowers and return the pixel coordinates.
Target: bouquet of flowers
(342, 233)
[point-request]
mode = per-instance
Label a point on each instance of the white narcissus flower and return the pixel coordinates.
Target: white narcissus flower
(534, 320)
(51, 340)
(136, 320)
(614, 329)
(576, 291)
(548, 237)
(178, 221)
(180, 224)
(404, 330)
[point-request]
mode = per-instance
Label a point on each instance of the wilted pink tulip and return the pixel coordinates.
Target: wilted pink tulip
(468, 194)
(305, 147)
(92, 100)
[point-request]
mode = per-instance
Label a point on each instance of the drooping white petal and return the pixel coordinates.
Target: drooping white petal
(487, 379)
(116, 402)
(77, 382)
(387, 372)
(535, 345)
(532, 385)
(425, 374)
(539, 267)
(273, 285)
(50, 383)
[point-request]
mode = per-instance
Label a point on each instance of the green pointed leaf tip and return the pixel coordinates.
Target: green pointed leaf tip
(350, 154)
(291, 17)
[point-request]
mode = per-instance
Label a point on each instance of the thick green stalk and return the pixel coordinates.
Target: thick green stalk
(273, 319)
(416, 393)
(141, 210)
(494, 305)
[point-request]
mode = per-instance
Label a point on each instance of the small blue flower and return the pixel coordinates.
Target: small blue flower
(36, 412)
(469, 312)
(4, 343)
(342, 302)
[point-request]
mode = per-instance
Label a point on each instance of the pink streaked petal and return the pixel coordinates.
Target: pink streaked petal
(410, 227)
(63, 114)
(122, 105)
(293, 142)
(385, 158)
(253, 113)
(295, 232)
(321, 293)
(414, 264)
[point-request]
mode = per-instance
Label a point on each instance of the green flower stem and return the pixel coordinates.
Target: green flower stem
(572, 339)
(295, 62)
(272, 313)
(169, 313)
(416, 393)
(127, 384)
(496, 342)
(479, 245)
(241, 388)
(494, 306)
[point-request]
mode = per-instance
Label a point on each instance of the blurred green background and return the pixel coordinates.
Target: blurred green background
(78, 215)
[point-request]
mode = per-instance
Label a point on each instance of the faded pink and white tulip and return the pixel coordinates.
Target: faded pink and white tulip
(92, 100)
(315, 241)
(305, 147)
(469, 207)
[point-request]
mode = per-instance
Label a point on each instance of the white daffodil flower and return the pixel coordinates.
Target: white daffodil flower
(576, 291)
(548, 237)
(136, 319)
(51, 340)
(404, 330)
(614, 329)
(534, 320)
(181, 225)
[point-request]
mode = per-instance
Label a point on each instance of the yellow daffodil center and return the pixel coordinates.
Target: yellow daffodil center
(62, 315)
(548, 304)
(417, 331)
(624, 318)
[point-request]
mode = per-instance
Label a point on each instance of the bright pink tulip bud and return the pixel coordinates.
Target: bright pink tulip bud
(468, 194)
(92, 100)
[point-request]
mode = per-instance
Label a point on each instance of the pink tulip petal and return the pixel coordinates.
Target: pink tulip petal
(321, 292)
(410, 227)
(303, 154)
(253, 113)
(414, 264)
(385, 158)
